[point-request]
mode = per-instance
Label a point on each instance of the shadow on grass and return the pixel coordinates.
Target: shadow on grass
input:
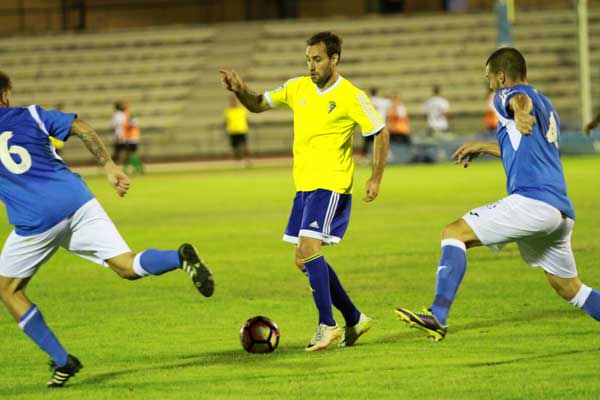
(405, 332)
(233, 357)
(530, 358)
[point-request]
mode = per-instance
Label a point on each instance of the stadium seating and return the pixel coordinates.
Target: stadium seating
(170, 75)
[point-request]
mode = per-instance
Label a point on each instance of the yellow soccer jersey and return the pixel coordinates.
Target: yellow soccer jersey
(324, 124)
(236, 120)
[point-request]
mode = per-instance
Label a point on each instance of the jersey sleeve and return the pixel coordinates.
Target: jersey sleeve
(502, 101)
(283, 95)
(55, 123)
(363, 113)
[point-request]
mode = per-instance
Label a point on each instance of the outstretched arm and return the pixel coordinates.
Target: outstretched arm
(253, 102)
(522, 106)
(116, 177)
(380, 151)
(471, 150)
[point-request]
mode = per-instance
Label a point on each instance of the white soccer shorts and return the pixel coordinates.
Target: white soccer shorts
(540, 230)
(88, 233)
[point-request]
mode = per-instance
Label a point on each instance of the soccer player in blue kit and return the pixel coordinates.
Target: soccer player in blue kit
(537, 214)
(51, 207)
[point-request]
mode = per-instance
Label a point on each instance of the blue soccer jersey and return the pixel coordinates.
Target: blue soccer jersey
(35, 184)
(532, 163)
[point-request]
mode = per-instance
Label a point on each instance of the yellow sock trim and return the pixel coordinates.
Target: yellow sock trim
(311, 258)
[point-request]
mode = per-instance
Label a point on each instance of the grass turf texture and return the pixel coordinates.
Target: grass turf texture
(510, 336)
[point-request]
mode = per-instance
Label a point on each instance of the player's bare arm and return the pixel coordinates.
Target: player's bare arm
(116, 177)
(593, 124)
(255, 103)
(522, 106)
(471, 150)
(380, 151)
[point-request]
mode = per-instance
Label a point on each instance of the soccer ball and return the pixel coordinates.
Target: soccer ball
(259, 335)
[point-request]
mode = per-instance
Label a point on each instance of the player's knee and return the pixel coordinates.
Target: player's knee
(7, 290)
(299, 263)
(452, 231)
(305, 251)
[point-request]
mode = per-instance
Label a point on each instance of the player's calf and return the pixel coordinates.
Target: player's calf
(123, 266)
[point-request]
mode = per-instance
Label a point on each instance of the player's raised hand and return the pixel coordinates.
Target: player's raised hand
(372, 190)
(117, 178)
(231, 80)
(467, 153)
(524, 122)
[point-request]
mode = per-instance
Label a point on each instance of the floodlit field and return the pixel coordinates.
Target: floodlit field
(510, 336)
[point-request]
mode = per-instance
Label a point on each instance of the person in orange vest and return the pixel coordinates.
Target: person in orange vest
(398, 123)
(132, 140)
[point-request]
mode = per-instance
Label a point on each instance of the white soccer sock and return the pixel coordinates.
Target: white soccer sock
(137, 266)
(581, 296)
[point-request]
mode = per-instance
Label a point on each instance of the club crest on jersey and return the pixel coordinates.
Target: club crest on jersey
(331, 106)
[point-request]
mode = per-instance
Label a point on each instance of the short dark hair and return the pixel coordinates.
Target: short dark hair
(332, 42)
(5, 84)
(510, 61)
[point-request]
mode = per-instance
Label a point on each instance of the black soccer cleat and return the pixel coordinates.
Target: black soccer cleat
(60, 376)
(193, 265)
(424, 321)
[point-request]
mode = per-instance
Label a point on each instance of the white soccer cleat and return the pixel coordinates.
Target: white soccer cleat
(323, 337)
(352, 333)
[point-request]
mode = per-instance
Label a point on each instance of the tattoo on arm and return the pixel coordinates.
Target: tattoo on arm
(91, 140)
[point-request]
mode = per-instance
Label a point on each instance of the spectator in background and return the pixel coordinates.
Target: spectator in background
(398, 123)
(436, 108)
(381, 105)
(120, 122)
(592, 125)
(490, 119)
(132, 139)
(236, 124)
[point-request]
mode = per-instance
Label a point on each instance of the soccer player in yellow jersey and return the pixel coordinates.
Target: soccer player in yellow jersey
(326, 109)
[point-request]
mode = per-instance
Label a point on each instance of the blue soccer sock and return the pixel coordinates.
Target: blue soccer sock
(589, 300)
(451, 270)
(341, 300)
(318, 278)
(33, 324)
(156, 262)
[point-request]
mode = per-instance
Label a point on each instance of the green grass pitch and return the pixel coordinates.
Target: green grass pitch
(510, 336)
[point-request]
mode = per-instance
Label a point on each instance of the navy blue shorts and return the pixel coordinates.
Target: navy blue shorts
(320, 214)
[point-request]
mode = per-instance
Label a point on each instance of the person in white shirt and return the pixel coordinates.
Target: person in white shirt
(436, 108)
(382, 106)
(120, 122)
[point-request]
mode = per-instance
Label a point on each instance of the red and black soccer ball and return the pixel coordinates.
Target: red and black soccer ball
(259, 335)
